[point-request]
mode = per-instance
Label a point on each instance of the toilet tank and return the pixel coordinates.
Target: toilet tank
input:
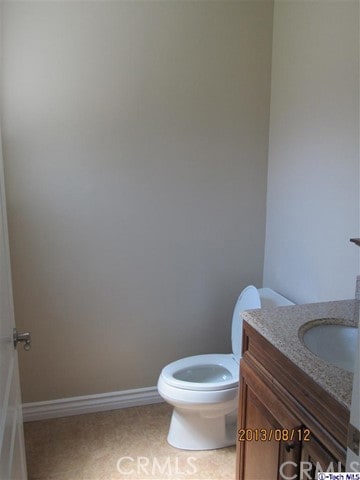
(251, 298)
(270, 298)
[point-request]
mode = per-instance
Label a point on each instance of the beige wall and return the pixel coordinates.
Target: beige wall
(135, 140)
(313, 180)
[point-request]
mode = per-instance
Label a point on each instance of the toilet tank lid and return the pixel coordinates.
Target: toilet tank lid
(270, 298)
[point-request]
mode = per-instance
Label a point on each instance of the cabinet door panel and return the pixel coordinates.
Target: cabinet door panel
(263, 420)
(315, 458)
(262, 458)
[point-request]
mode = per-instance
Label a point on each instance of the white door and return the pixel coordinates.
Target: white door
(12, 452)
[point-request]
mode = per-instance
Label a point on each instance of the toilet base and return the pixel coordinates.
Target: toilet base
(194, 431)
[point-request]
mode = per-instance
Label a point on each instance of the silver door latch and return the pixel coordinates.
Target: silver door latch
(22, 337)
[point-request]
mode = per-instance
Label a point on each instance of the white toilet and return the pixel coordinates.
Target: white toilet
(203, 389)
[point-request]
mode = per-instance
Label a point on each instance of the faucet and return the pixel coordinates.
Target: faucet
(356, 241)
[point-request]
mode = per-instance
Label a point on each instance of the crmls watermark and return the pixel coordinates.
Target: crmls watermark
(306, 470)
(154, 466)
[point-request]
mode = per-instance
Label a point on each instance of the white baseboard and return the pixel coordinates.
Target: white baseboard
(65, 407)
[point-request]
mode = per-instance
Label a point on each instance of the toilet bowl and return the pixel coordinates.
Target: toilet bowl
(203, 389)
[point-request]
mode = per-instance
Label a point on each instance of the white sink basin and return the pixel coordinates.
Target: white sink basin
(336, 344)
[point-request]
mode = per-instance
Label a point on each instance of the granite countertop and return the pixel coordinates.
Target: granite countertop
(281, 325)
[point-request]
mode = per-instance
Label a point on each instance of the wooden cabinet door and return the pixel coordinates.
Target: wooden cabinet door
(264, 448)
(315, 458)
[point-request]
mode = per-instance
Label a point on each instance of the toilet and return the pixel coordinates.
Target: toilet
(203, 389)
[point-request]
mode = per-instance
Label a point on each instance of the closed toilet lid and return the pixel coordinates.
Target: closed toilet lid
(202, 372)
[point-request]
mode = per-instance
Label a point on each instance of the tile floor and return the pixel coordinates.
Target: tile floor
(127, 444)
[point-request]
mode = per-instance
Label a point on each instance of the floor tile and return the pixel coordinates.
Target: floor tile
(126, 444)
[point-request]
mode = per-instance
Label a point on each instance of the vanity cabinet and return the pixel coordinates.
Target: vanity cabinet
(288, 426)
(314, 455)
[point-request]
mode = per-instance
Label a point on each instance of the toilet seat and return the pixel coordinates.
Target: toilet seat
(212, 372)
